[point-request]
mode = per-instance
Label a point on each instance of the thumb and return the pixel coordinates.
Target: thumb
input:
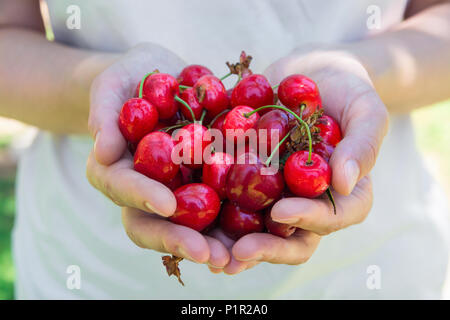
(366, 124)
(103, 120)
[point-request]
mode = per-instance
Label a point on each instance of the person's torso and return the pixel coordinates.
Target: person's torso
(62, 218)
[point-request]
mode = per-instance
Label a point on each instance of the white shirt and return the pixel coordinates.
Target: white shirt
(63, 221)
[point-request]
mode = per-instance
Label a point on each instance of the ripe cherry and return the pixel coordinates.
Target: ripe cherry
(298, 89)
(251, 187)
(137, 118)
(215, 172)
(306, 179)
(160, 90)
(211, 94)
(172, 120)
(197, 206)
(187, 174)
(176, 182)
(273, 121)
(329, 130)
(324, 150)
(190, 74)
(190, 98)
(236, 123)
(237, 222)
(218, 122)
(153, 157)
(276, 228)
(253, 91)
(192, 140)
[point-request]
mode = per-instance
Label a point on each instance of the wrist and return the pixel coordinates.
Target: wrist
(80, 75)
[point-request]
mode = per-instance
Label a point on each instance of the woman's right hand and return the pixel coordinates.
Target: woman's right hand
(145, 202)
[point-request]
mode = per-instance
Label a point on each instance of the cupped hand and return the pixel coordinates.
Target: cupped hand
(146, 202)
(110, 167)
(348, 96)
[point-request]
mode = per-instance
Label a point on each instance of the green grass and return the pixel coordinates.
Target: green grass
(7, 208)
(432, 135)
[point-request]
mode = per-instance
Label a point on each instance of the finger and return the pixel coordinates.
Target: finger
(294, 250)
(215, 270)
(128, 188)
(364, 122)
(234, 266)
(106, 101)
(152, 232)
(317, 214)
(219, 255)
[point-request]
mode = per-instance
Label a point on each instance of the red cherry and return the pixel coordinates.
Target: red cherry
(211, 94)
(215, 172)
(241, 149)
(304, 179)
(276, 228)
(190, 74)
(298, 89)
(153, 157)
(329, 130)
(137, 118)
(186, 174)
(229, 94)
(193, 138)
(324, 150)
(250, 187)
(160, 90)
(197, 206)
(272, 121)
(253, 91)
(190, 98)
(235, 120)
(136, 91)
(172, 120)
(237, 222)
(176, 182)
(218, 123)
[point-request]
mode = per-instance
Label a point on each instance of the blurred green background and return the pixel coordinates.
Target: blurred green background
(432, 135)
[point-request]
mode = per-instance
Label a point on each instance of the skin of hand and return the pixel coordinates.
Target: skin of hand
(348, 96)
(146, 203)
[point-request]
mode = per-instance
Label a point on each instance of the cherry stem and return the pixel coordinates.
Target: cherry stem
(184, 87)
(330, 196)
(276, 148)
(184, 103)
(226, 76)
(217, 117)
(141, 86)
(238, 80)
(247, 115)
(275, 87)
(176, 126)
(203, 116)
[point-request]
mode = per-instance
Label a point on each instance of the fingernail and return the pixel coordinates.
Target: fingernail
(153, 210)
(184, 254)
(96, 139)
(286, 220)
(213, 266)
(351, 171)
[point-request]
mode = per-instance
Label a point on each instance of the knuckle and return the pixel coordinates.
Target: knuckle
(108, 190)
(371, 147)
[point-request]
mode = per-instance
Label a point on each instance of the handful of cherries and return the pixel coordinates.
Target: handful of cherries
(229, 155)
